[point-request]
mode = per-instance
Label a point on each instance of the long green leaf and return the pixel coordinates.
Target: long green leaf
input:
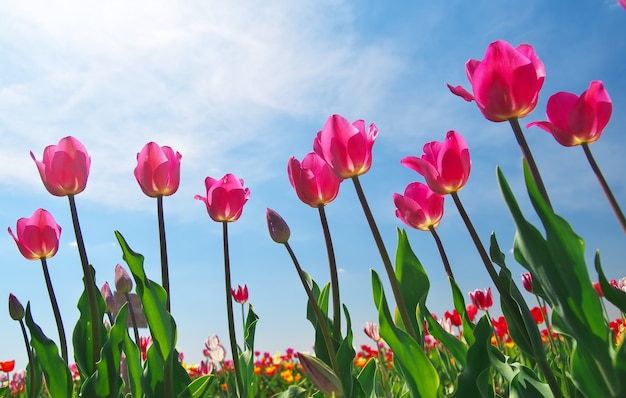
(474, 380)
(457, 348)
(198, 388)
(459, 305)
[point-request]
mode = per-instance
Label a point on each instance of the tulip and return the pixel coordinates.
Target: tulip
(16, 309)
(445, 165)
(158, 170)
(37, 237)
(454, 317)
(622, 3)
(65, 167)
(527, 282)
(419, 207)
(538, 314)
(345, 146)
(225, 198)
(320, 375)
(372, 330)
(214, 349)
(109, 298)
(573, 120)
(314, 181)
(7, 366)
(471, 310)
(506, 83)
(123, 282)
(240, 294)
(278, 228)
(483, 300)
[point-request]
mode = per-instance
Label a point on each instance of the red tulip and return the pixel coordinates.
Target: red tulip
(471, 311)
(527, 282)
(596, 285)
(454, 317)
(483, 300)
(573, 120)
(500, 326)
(314, 181)
(38, 236)
(419, 207)
(240, 294)
(158, 170)
(538, 314)
(65, 167)
(506, 83)
(225, 198)
(445, 165)
(345, 146)
(7, 366)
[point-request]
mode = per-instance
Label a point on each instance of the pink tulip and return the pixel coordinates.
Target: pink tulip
(419, 207)
(38, 236)
(314, 181)
(574, 120)
(225, 198)
(527, 282)
(123, 282)
(445, 165)
(240, 294)
(483, 300)
(345, 146)
(158, 170)
(506, 83)
(65, 167)
(622, 3)
(109, 298)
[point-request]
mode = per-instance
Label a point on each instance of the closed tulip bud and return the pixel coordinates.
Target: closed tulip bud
(320, 375)
(279, 230)
(527, 282)
(37, 237)
(16, 310)
(65, 167)
(240, 294)
(123, 282)
(158, 170)
(109, 298)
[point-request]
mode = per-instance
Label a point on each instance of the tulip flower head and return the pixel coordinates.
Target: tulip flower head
(65, 167)
(277, 226)
(345, 146)
(419, 207)
(445, 165)
(7, 366)
(240, 294)
(372, 330)
(123, 282)
(483, 300)
(622, 3)
(454, 317)
(16, 309)
(37, 237)
(109, 298)
(599, 292)
(314, 181)
(527, 282)
(506, 83)
(225, 198)
(158, 170)
(214, 349)
(471, 310)
(573, 119)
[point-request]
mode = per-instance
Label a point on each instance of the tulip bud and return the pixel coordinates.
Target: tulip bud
(527, 282)
(109, 298)
(16, 310)
(123, 282)
(320, 374)
(279, 230)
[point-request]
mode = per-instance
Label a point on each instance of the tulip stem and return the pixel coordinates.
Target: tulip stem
(605, 187)
(321, 319)
(229, 311)
(395, 285)
(534, 171)
(508, 301)
(90, 285)
(31, 361)
(132, 318)
(442, 252)
(55, 309)
(164, 267)
(334, 279)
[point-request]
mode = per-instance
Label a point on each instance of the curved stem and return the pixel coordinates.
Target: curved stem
(442, 252)
(521, 141)
(164, 267)
(133, 321)
(55, 309)
(391, 275)
(334, 279)
(90, 285)
(31, 361)
(229, 311)
(321, 319)
(605, 187)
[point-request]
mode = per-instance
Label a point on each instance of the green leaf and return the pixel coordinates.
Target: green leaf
(198, 388)
(459, 305)
(616, 296)
(475, 381)
(345, 357)
(293, 392)
(133, 364)
(58, 377)
(419, 373)
(251, 321)
(367, 378)
(456, 347)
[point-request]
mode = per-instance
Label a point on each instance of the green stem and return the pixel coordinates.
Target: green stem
(521, 141)
(133, 321)
(334, 279)
(164, 267)
(31, 361)
(55, 309)
(393, 280)
(229, 310)
(442, 252)
(605, 187)
(321, 319)
(506, 297)
(90, 285)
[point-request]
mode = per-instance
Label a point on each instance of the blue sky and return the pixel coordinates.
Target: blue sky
(239, 87)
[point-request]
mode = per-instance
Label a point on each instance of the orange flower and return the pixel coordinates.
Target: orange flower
(7, 366)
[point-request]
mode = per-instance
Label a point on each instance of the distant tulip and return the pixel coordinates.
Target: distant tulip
(7, 366)
(527, 282)
(538, 314)
(506, 83)
(38, 236)
(471, 311)
(372, 330)
(483, 300)
(225, 198)
(454, 317)
(599, 292)
(240, 294)
(419, 207)
(214, 349)
(65, 167)
(345, 146)
(445, 165)
(16, 309)
(123, 281)
(109, 298)
(158, 170)
(314, 181)
(573, 120)
(278, 228)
